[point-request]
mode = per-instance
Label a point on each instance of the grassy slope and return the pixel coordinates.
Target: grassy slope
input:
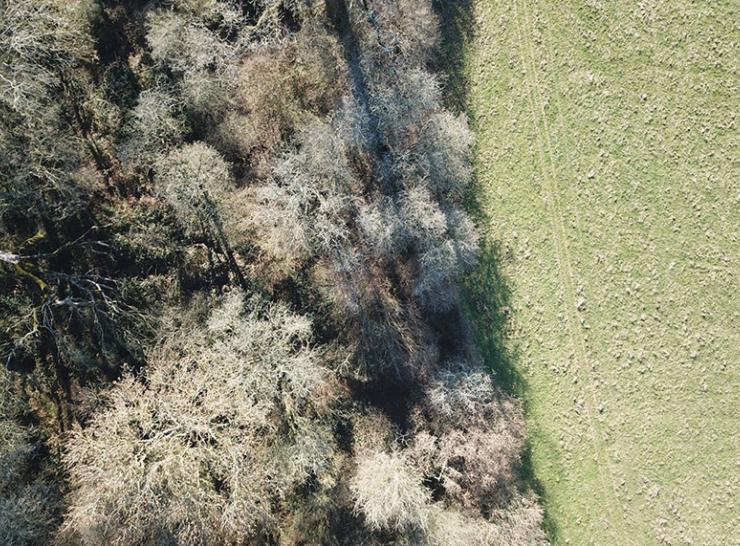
(607, 158)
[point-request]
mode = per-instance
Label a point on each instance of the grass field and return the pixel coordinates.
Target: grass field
(607, 157)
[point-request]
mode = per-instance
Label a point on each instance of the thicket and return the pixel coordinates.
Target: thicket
(230, 241)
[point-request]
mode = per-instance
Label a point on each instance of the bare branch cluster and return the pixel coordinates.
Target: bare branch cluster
(226, 424)
(155, 156)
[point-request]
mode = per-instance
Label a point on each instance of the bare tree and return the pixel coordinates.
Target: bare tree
(197, 181)
(441, 156)
(447, 245)
(154, 125)
(304, 211)
(227, 424)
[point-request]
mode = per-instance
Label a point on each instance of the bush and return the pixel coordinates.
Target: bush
(318, 77)
(225, 15)
(227, 424)
(266, 98)
(470, 436)
(389, 492)
(28, 515)
(372, 431)
(406, 31)
(16, 447)
(519, 525)
(442, 155)
(282, 87)
(449, 527)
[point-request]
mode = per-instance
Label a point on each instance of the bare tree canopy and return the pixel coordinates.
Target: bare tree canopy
(232, 237)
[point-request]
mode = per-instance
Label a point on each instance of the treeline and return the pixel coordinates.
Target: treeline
(230, 241)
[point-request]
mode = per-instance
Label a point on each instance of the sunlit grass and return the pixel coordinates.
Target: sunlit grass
(608, 175)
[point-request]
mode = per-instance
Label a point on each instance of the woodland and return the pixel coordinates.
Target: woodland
(232, 235)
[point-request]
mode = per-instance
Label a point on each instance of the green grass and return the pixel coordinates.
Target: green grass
(607, 159)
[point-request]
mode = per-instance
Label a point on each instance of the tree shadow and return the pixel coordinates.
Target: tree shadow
(487, 298)
(487, 294)
(457, 31)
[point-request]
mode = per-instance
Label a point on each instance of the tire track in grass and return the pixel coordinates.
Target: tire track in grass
(551, 198)
(560, 117)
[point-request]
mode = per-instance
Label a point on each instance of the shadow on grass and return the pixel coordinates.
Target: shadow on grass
(487, 293)
(457, 29)
(488, 304)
